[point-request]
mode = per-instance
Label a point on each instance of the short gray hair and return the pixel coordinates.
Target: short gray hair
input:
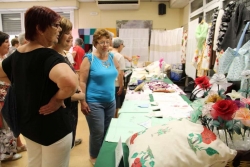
(111, 34)
(21, 38)
(117, 42)
(79, 41)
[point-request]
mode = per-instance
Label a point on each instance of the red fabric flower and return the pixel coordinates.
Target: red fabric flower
(133, 138)
(207, 136)
(202, 82)
(137, 163)
(224, 109)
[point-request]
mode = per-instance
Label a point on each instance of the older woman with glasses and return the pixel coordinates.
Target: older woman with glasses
(118, 45)
(98, 72)
(65, 42)
(44, 84)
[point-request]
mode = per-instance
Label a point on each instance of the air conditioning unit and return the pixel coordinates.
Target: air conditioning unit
(118, 4)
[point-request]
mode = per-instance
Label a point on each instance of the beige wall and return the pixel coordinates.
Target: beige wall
(25, 5)
(174, 18)
(185, 16)
(147, 11)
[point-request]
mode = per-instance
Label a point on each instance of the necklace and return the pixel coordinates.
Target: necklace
(106, 63)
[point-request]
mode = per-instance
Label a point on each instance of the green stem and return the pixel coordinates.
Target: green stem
(226, 136)
(218, 88)
(247, 88)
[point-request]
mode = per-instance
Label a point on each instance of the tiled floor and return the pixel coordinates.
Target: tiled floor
(79, 155)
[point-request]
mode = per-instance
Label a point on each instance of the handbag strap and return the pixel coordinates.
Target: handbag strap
(242, 37)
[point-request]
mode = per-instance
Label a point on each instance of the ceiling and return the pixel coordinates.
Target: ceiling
(173, 3)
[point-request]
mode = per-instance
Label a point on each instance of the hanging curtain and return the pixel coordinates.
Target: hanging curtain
(166, 45)
(136, 43)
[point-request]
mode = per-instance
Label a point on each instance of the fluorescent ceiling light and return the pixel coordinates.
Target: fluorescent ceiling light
(14, 18)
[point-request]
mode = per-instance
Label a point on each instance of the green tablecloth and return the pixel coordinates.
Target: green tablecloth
(106, 157)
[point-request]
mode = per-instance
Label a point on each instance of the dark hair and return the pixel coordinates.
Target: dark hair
(14, 41)
(99, 33)
(3, 37)
(66, 26)
(40, 16)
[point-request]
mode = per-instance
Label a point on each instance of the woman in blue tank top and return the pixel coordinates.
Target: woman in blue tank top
(98, 72)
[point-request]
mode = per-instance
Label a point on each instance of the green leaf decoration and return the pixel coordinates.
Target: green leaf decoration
(149, 151)
(142, 160)
(199, 138)
(191, 145)
(243, 90)
(212, 127)
(237, 129)
(134, 155)
(229, 124)
(160, 132)
(221, 121)
(140, 133)
(221, 92)
(216, 123)
(152, 163)
(210, 151)
(191, 135)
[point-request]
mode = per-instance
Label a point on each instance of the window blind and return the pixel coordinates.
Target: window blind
(65, 14)
(11, 23)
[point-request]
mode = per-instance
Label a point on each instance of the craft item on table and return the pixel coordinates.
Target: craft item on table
(146, 124)
(171, 98)
(123, 128)
(143, 105)
(154, 103)
(139, 87)
(155, 108)
(135, 59)
(148, 77)
(139, 81)
(132, 106)
(227, 114)
(198, 145)
(132, 95)
(156, 114)
(157, 84)
(143, 77)
(163, 90)
(176, 74)
(177, 89)
(132, 87)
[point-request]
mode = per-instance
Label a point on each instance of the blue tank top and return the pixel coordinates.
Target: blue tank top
(101, 81)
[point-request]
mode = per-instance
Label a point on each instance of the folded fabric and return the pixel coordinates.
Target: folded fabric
(178, 143)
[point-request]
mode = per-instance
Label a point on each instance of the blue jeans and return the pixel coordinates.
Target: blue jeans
(98, 120)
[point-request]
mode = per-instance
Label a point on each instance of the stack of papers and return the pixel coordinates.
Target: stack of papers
(135, 106)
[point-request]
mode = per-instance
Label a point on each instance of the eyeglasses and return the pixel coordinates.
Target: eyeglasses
(103, 43)
(56, 25)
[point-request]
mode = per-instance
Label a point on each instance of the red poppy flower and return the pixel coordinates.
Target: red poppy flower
(133, 138)
(137, 163)
(207, 136)
(224, 109)
(202, 82)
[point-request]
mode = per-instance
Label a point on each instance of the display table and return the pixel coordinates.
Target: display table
(106, 157)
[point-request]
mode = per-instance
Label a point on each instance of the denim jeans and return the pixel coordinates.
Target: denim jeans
(98, 120)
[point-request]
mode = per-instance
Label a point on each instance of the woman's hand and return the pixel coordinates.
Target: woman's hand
(53, 105)
(85, 108)
(120, 91)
